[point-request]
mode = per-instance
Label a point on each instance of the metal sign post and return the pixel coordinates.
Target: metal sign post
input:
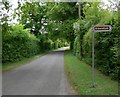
(92, 57)
(103, 28)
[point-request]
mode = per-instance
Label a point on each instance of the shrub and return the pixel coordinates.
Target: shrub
(18, 43)
(87, 47)
(106, 48)
(48, 44)
(55, 44)
(76, 46)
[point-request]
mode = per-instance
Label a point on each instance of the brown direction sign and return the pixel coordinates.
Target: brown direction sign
(103, 28)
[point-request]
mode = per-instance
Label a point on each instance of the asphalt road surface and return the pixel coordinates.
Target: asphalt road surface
(43, 76)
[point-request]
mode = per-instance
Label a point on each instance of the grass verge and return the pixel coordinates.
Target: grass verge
(9, 66)
(79, 75)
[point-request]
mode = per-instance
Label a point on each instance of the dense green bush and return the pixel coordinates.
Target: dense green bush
(106, 48)
(60, 43)
(18, 43)
(45, 43)
(76, 46)
(55, 44)
(78, 41)
(48, 44)
(87, 47)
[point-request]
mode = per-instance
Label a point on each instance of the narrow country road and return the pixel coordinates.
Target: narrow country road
(43, 76)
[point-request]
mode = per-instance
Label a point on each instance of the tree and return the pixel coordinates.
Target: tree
(64, 15)
(5, 19)
(32, 15)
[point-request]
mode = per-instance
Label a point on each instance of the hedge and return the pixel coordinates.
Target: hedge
(18, 43)
(107, 46)
(107, 49)
(76, 46)
(48, 44)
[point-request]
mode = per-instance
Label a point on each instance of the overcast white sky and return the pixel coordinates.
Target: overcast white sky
(14, 2)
